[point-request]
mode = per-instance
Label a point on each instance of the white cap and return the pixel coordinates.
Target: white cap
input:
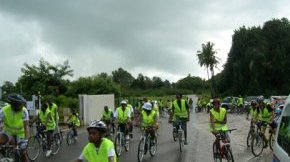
(123, 102)
(147, 106)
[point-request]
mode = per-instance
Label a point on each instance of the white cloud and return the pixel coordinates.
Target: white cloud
(155, 38)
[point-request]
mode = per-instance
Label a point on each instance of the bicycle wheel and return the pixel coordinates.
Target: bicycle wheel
(249, 138)
(271, 140)
(257, 145)
(69, 138)
(33, 148)
(118, 144)
(153, 147)
(55, 146)
(141, 149)
(180, 140)
(229, 154)
(216, 153)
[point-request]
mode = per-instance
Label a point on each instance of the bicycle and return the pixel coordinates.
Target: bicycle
(221, 147)
(179, 134)
(258, 142)
(70, 136)
(121, 141)
(146, 144)
(38, 141)
(253, 130)
(10, 152)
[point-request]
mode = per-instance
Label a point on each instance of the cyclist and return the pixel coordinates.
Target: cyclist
(218, 119)
(74, 122)
(180, 111)
(107, 117)
(240, 103)
(46, 119)
(130, 124)
(265, 116)
(123, 115)
(253, 112)
(54, 113)
(99, 148)
(149, 119)
(14, 120)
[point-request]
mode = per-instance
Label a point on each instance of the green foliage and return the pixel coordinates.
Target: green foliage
(122, 77)
(259, 61)
(44, 78)
(206, 57)
(99, 84)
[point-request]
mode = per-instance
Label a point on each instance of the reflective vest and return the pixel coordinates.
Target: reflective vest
(180, 112)
(219, 116)
(253, 113)
(53, 110)
(240, 101)
(13, 121)
(107, 115)
(75, 119)
(43, 117)
(265, 115)
(148, 120)
(91, 153)
(122, 115)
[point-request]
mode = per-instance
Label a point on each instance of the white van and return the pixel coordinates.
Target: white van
(282, 142)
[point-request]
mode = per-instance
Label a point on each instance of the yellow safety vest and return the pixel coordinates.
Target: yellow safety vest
(75, 119)
(13, 123)
(107, 115)
(122, 115)
(265, 115)
(91, 153)
(180, 112)
(43, 116)
(148, 120)
(219, 116)
(53, 110)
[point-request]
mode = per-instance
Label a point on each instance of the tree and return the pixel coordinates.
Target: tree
(122, 77)
(44, 78)
(207, 58)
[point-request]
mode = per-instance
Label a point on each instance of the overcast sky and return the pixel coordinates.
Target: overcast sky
(155, 38)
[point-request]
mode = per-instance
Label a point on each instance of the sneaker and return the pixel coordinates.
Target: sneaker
(127, 137)
(48, 152)
(185, 143)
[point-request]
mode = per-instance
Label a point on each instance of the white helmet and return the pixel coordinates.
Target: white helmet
(147, 106)
(123, 102)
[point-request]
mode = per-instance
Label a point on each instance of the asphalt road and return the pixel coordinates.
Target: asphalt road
(198, 150)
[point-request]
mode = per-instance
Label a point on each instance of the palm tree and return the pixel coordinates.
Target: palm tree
(206, 57)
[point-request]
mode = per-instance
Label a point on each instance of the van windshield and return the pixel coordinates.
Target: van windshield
(284, 131)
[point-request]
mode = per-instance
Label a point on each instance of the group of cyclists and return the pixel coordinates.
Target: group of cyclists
(122, 119)
(15, 123)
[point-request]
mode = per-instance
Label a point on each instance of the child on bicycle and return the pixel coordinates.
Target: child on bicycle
(74, 122)
(218, 119)
(99, 148)
(149, 119)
